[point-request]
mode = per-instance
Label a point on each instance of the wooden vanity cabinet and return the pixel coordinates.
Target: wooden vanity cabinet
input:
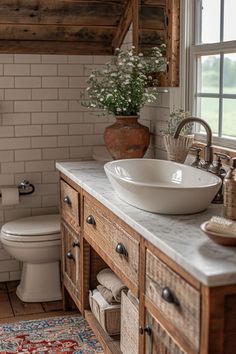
(177, 313)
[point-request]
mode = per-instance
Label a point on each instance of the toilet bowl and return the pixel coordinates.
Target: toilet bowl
(36, 242)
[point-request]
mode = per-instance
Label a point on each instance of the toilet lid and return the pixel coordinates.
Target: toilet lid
(42, 225)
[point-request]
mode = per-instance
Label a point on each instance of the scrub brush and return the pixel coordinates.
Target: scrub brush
(221, 226)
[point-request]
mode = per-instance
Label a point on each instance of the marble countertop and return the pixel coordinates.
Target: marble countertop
(179, 237)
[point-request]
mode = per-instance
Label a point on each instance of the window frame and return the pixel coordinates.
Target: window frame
(197, 50)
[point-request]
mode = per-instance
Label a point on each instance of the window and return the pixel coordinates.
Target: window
(213, 58)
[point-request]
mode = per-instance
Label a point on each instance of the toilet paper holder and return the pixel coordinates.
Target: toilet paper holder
(25, 188)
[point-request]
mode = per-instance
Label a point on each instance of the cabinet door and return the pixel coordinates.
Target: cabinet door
(158, 340)
(70, 205)
(71, 261)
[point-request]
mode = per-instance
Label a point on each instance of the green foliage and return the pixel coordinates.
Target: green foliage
(122, 88)
(175, 118)
(211, 67)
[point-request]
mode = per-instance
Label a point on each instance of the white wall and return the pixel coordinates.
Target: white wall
(42, 121)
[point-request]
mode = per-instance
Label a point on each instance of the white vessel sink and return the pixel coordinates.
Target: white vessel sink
(162, 186)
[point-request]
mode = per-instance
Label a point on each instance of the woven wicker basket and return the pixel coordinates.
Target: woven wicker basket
(129, 333)
(177, 149)
(107, 315)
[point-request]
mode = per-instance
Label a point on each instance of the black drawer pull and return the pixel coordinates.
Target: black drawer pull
(169, 296)
(67, 200)
(75, 244)
(69, 255)
(148, 330)
(120, 248)
(90, 220)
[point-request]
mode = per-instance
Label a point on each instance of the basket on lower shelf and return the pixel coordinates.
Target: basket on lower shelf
(129, 333)
(107, 315)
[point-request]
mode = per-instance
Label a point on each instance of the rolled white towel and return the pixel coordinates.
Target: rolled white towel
(110, 280)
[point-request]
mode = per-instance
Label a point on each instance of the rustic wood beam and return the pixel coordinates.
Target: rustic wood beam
(69, 12)
(91, 34)
(123, 25)
(136, 10)
(54, 47)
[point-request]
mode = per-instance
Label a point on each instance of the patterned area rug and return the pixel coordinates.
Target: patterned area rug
(66, 334)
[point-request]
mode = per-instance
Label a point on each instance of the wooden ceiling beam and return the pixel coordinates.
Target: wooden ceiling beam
(57, 33)
(123, 25)
(136, 22)
(55, 47)
(61, 12)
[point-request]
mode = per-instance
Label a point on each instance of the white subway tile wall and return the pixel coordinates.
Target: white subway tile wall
(42, 121)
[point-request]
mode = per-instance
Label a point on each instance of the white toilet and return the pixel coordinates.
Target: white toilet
(36, 242)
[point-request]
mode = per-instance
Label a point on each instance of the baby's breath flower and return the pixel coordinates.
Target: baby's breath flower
(121, 87)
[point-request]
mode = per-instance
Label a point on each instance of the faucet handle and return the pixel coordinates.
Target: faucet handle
(197, 149)
(217, 167)
(233, 162)
(197, 162)
(221, 155)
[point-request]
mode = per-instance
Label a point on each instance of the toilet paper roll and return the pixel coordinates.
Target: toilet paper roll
(10, 196)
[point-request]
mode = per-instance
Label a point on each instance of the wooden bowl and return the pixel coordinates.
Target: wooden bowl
(221, 239)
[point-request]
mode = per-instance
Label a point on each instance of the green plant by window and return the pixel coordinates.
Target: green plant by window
(176, 117)
(123, 86)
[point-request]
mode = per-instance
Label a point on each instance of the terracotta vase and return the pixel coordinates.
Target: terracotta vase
(126, 138)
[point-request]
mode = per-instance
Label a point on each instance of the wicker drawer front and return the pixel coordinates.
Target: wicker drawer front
(70, 210)
(174, 298)
(105, 235)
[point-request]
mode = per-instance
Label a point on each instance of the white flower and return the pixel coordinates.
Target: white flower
(121, 87)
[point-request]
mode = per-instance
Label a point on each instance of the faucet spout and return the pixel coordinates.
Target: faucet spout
(208, 150)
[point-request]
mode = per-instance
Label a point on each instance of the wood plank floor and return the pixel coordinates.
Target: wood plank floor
(12, 309)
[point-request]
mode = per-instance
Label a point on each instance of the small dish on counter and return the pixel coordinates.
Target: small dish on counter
(220, 238)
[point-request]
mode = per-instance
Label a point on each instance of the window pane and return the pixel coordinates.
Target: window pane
(210, 28)
(229, 117)
(229, 20)
(208, 109)
(230, 73)
(209, 74)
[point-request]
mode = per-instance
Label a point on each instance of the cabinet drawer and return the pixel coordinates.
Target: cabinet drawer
(174, 298)
(70, 205)
(115, 245)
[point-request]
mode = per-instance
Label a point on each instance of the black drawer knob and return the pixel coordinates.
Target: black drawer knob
(75, 244)
(69, 255)
(169, 296)
(67, 200)
(120, 248)
(148, 330)
(90, 220)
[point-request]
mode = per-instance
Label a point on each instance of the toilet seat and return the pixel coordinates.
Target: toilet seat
(32, 229)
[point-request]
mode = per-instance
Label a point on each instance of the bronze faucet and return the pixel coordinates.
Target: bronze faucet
(208, 150)
(207, 164)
